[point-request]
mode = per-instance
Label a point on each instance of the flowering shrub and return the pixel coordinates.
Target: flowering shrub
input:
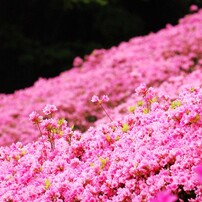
(100, 101)
(164, 59)
(193, 8)
(130, 159)
(149, 152)
(199, 172)
(164, 197)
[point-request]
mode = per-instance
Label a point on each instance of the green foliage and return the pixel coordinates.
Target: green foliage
(71, 3)
(103, 162)
(47, 184)
(132, 109)
(175, 104)
(125, 127)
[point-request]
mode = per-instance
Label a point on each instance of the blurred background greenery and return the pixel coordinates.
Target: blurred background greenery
(40, 38)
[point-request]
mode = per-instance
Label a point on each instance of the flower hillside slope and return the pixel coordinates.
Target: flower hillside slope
(155, 148)
(173, 86)
(152, 59)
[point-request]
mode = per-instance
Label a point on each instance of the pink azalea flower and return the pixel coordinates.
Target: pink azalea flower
(142, 89)
(193, 8)
(105, 98)
(164, 196)
(199, 172)
(35, 117)
(77, 62)
(49, 109)
(49, 124)
(95, 99)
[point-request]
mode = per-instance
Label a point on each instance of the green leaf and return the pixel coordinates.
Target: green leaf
(47, 183)
(125, 127)
(145, 110)
(131, 108)
(108, 137)
(140, 103)
(103, 161)
(175, 104)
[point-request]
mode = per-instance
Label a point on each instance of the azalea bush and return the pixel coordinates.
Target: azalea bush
(165, 59)
(123, 125)
(131, 159)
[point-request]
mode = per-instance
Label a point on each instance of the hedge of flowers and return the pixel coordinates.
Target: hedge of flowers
(123, 125)
(157, 147)
(152, 59)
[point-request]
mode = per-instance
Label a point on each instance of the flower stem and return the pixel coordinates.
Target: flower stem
(40, 133)
(52, 145)
(106, 112)
(39, 129)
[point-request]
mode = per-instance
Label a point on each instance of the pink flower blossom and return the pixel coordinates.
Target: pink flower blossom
(164, 196)
(141, 89)
(105, 98)
(199, 172)
(193, 8)
(77, 62)
(95, 99)
(98, 100)
(35, 117)
(49, 109)
(49, 124)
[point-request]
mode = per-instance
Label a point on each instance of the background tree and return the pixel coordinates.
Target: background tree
(41, 37)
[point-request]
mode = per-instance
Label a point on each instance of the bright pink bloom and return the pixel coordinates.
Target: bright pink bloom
(141, 89)
(77, 62)
(98, 100)
(35, 117)
(130, 158)
(193, 8)
(164, 196)
(49, 109)
(199, 172)
(49, 124)
(105, 98)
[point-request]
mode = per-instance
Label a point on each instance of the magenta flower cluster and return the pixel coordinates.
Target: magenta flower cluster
(169, 59)
(130, 159)
(125, 126)
(98, 100)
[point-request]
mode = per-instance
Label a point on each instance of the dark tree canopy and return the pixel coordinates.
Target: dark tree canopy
(40, 38)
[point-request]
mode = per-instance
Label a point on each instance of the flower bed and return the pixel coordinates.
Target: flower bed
(153, 59)
(123, 125)
(156, 147)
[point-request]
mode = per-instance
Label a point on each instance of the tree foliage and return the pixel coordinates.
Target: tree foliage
(71, 3)
(41, 37)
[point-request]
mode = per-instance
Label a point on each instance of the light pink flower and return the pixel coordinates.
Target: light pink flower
(35, 117)
(105, 98)
(98, 100)
(49, 109)
(95, 99)
(141, 89)
(49, 124)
